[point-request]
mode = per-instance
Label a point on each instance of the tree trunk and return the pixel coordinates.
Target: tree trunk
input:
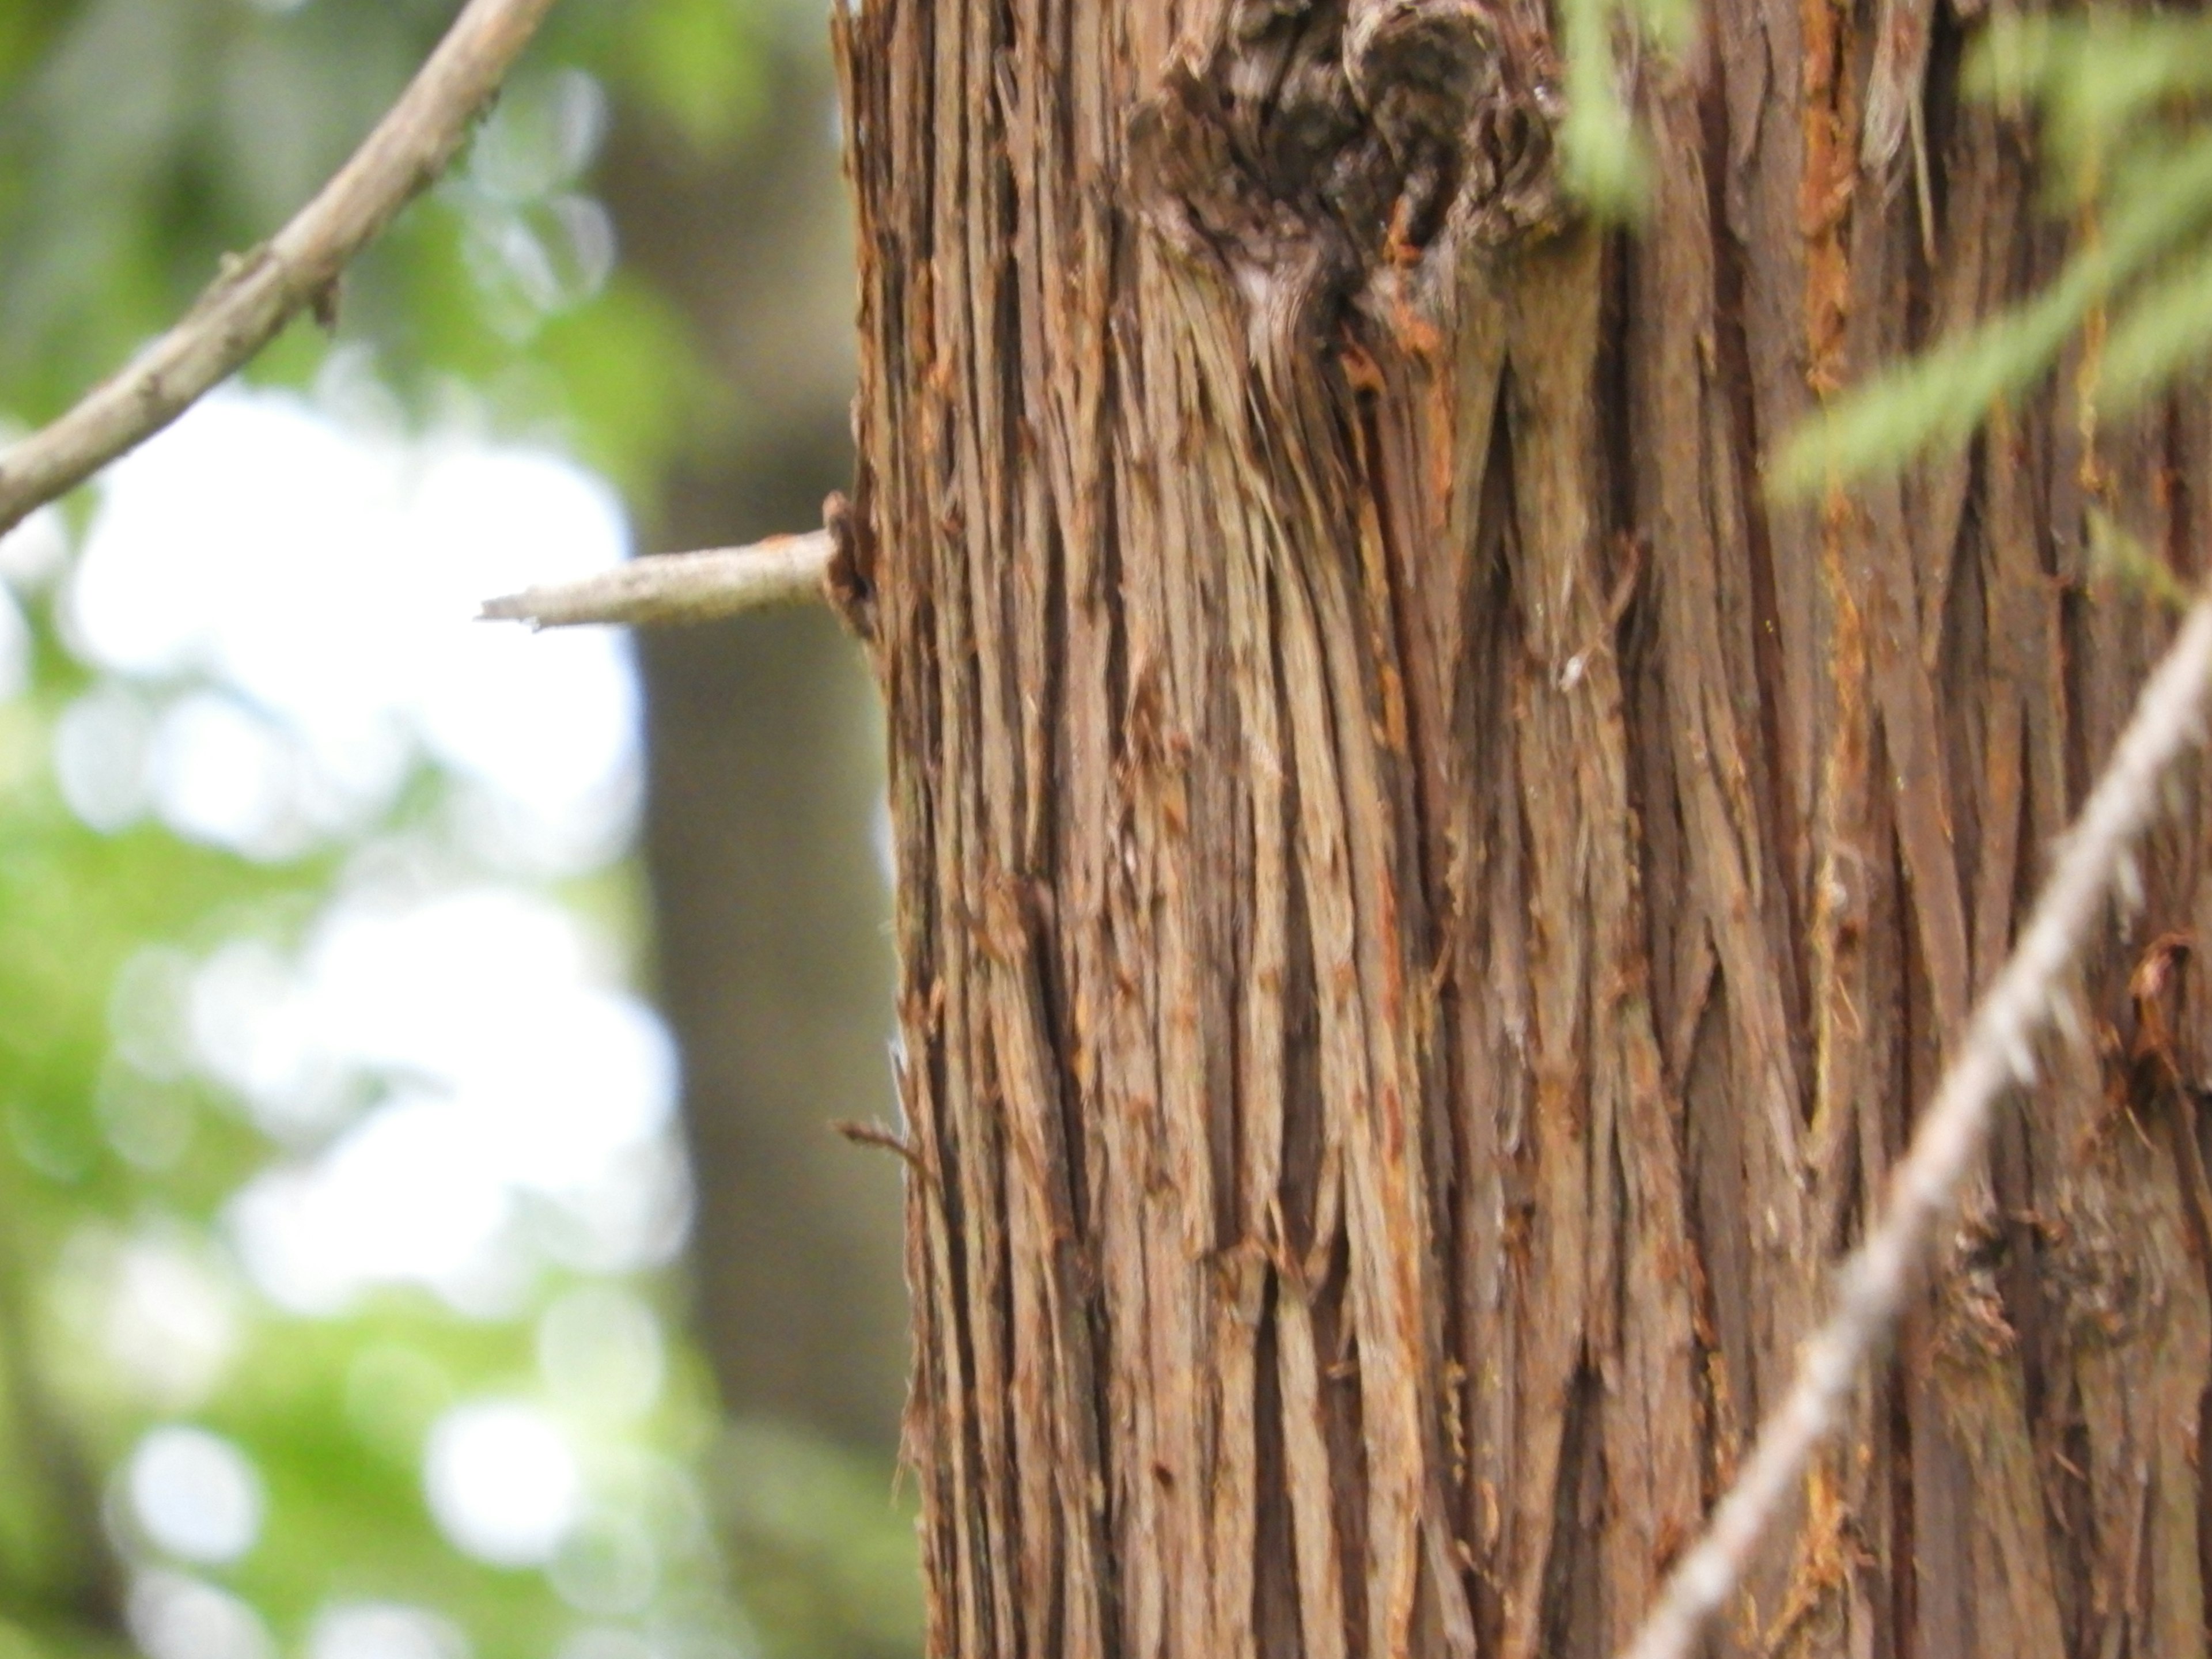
(61, 1578)
(1427, 904)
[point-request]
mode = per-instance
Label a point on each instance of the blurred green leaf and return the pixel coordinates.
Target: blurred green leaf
(2119, 96)
(2164, 328)
(697, 64)
(1601, 152)
(2094, 75)
(632, 383)
(1939, 398)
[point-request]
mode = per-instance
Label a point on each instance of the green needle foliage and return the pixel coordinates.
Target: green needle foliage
(2122, 130)
(1604, 157)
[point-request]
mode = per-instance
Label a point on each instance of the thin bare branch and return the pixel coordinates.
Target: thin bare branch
(258, 293)
(882, 1136)
(1998, 1054)
(679, 587)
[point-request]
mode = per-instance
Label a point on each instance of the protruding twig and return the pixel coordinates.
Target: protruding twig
(1998, 1053)
(883, 1136)
(679, 587)
(258, 293)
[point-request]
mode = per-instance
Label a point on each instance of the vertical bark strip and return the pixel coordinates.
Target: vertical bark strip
(1427, 903)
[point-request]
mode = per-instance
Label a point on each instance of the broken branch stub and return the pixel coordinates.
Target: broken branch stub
(679, 587)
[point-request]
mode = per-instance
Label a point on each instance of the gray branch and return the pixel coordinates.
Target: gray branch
(1998, 1054)
(258, 293)
(679, 587)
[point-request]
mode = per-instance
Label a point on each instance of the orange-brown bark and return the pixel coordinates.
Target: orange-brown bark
(1426, 903)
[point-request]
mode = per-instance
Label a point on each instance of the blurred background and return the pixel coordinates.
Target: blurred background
(421, 1235)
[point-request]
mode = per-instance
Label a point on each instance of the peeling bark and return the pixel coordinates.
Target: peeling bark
(1427, 903)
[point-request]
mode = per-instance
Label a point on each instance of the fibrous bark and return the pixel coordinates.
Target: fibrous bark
(1426, 903)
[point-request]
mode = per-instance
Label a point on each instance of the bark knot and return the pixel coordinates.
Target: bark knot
(2101, 1268)
(1317, 141)
(849, 581)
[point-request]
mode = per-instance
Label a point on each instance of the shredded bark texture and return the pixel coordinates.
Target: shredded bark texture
(1427, 904)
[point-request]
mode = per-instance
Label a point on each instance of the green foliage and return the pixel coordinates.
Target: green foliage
(340, 1469)
(698, 64)
(139, 140)
(2093, 76)
(2118, 97)
(115, 211)
(1605, 162)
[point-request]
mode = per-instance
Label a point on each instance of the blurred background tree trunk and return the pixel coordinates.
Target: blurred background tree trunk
(761, 833)
(1427, 904)
(764, 848)
(60, 1582)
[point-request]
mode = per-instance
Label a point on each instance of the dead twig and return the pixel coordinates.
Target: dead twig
(258, 293)
(885, 1138)
(679, 587)
(1998, 1053)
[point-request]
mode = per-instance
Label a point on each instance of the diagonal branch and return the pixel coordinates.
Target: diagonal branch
(259, 293)
(680, 587)
(1998, 1053)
